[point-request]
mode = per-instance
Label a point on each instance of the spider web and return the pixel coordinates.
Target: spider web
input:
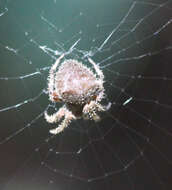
(131, 147)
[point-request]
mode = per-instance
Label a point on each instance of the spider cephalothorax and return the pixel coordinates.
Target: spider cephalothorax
(79, 88)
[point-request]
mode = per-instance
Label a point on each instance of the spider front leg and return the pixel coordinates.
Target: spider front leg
(53, 68)
(96, 67)
(67, 120)
(51, 79)
(54, 118)
(90, 110)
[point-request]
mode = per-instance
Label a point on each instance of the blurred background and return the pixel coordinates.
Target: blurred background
(130, 148)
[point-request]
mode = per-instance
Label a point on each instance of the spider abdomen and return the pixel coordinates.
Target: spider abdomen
(76, 83)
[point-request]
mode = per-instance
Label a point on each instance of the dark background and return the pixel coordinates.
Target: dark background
(130, 149)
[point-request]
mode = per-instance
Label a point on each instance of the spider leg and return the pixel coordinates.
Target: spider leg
(95, 117)
(56, 116)
(52, 77)
(100, 107)
(64, 124)
(96, 67)
(91, 109)
(53, 68)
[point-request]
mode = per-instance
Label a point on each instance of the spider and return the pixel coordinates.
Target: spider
(78, 88)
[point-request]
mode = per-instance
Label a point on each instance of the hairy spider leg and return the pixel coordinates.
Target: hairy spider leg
(91, 108)
(98, 71)
(64, 124)
(52, 78)
(56, 116)
(101, 77)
